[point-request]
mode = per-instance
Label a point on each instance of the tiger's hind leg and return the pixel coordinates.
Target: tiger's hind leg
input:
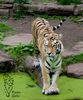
(36, 57)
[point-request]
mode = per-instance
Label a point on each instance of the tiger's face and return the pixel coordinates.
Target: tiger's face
(52, 44)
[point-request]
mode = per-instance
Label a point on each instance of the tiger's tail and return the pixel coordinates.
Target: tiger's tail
(60, 24)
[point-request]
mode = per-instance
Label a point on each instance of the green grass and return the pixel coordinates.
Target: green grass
(25, 89)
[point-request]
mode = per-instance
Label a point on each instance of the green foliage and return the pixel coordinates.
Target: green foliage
(72, 60)
(1, 1)
(4, 18)
(4, 27)
(76, 1)
(48, 1)
(22, 1)
(75, 19)
(18, 14)
(68, 2)
(20, 50)
(46, 16)
(1, 36)
(64, 2)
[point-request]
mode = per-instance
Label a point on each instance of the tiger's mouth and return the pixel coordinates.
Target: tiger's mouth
(58, 51)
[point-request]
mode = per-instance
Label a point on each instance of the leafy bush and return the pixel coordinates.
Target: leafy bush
(18, 14)
(20, 50)
(1, 36)
(76, 1)
(22, 1)
(68, 2)
(4, 27)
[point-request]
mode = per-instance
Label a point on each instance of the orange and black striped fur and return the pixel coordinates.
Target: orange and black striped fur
(50, 46)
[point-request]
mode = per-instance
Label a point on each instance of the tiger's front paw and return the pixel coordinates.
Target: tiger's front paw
(54, 90)
(46, 91)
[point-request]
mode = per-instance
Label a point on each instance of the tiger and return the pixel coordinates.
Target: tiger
(49, 59)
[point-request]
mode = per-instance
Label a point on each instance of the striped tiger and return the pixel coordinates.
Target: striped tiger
(50, 46)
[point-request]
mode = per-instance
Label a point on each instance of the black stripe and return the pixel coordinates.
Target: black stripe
(61, 23)
(58, 62)
(58, 26)
(47, 68)
(60, 46)
(47, 62)
(54, 28)
(56, 59)
(51, 59)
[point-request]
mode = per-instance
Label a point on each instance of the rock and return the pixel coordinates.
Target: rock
(4, 12)
(34, 72)
(78, 48)
(6, 63)
(75, 70)
(16, 39)
(67, 53)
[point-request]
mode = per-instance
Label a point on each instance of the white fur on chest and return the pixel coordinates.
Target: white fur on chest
(52, 63)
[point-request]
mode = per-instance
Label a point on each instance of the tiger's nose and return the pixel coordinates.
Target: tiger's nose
(49, 53)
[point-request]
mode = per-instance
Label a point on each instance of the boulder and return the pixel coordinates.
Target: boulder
(6, 63)
(78, 48)
(75, 70)
(34, 72)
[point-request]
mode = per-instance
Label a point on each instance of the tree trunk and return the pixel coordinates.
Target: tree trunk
(53, 9)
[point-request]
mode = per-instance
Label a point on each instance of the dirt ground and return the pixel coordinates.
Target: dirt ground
(72, 32)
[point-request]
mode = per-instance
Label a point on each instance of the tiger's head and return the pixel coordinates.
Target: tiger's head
(52, 44)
